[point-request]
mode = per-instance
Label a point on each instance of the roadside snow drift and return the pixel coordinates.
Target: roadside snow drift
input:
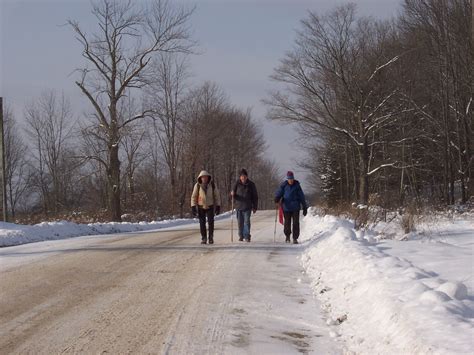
(380, 303)
(16, 234)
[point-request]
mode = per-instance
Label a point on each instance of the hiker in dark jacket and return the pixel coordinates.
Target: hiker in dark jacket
(246, 201)
(205, 202)
(291, 196)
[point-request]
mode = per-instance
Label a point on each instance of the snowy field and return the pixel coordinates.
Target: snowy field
(16, 234)
(393, 295)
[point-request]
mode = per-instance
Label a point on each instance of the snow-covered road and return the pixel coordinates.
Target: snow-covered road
(160, 292)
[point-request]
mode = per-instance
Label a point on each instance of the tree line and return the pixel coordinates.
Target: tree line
(148, 129)
(386, 105)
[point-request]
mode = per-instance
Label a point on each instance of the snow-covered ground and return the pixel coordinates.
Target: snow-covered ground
(17, 234)
(383, 292)
(161, 292)
(393, 295)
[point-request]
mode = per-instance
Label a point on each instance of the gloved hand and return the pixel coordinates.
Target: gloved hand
(217, 210)
(305, 211)
(277, 200)
(194, 211)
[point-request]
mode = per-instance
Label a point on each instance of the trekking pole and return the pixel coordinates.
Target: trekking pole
(232, 221)
(275, 231)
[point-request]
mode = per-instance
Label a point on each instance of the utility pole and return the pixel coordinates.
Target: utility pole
(2, 155)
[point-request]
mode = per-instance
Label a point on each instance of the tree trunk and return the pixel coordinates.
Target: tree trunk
(468, 132)
(182, 201)
(347, 195)
(451, 183)
(364, 177)
(12, 204)
(131, 187)
(446, 173)
(174, 197)
(113, 176)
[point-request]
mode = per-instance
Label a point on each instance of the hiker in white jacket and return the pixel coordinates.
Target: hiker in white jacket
(205, 203)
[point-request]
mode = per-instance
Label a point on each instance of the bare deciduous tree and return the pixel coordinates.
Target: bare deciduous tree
(17, 169)
(373, 95)
(335, 77)
(438, 31)
(167, 94)
(49, 124)
(118, 57)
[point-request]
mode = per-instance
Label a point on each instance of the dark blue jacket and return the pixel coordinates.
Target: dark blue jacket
(292, 196)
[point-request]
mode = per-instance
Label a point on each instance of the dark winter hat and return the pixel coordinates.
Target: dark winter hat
(243, 172)
(290, 175)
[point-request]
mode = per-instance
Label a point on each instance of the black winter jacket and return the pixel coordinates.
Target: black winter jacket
(245, 195)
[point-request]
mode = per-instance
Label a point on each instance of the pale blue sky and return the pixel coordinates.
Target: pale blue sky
(242, 41)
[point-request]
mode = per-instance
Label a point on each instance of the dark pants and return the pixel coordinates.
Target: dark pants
(209, 214)
(295, 216)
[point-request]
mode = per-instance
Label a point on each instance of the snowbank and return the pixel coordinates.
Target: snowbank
(380, 300)
(16, 234)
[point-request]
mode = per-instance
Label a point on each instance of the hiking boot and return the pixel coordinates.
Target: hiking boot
(247, 240)
(241, 239)
(295, 241)
(287, 240)
(211, 240)
(203, 241)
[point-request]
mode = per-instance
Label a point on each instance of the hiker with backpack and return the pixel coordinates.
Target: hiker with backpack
(245, 196)
(205, 203)
(291, 196)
